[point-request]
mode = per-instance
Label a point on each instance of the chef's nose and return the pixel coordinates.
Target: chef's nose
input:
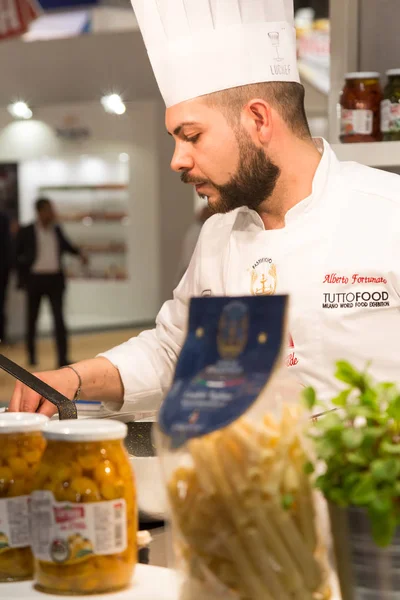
(182, 159)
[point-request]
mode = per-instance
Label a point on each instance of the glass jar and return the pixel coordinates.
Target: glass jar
(360, 113)
(390, 113)
(21, 448)
(83, 507)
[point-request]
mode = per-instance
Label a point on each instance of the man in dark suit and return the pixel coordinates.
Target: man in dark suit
(5, 265)
(40, 247)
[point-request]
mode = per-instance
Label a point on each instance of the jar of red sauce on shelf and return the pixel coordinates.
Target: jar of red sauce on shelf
(360, 103)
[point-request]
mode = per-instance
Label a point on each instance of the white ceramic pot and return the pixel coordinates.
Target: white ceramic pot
(151, 495)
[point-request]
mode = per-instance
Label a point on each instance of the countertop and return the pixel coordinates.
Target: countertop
(159, 555)
(149, 583)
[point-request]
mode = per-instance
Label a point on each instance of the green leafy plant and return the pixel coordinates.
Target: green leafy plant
(357, 448)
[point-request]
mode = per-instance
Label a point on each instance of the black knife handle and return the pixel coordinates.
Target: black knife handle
(66, 408)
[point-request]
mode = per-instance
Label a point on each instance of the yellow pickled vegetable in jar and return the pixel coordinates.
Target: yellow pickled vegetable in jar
(21, 448)
(83, 508)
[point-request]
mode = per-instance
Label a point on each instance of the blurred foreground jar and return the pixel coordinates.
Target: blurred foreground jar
(360, 114)
(390, 114)
(21, 448)
(83, 509)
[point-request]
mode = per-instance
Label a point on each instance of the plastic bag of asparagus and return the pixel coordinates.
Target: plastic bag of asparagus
(230, 440)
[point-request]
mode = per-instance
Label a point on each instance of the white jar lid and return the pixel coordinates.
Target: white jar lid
(85, 430)
(391, 72)
(18, 422)
(363, 75)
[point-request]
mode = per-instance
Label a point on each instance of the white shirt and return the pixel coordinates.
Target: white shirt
(339, 259)
(47, 254)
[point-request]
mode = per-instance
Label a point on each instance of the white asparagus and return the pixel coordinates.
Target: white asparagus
(232, 520)
(253, 583)
(268, 543)
(305, 560)
(262, 562)
(290, 573)
(305, 510)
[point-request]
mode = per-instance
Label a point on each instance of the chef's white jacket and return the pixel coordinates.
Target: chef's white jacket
(338, 257)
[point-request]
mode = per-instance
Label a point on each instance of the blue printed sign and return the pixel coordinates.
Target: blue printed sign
(57, 4)
(229, 354)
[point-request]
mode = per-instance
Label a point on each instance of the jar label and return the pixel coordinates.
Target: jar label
(69, 532)
(385, 116)
(394, 117)
(14, 523)
(356, 122)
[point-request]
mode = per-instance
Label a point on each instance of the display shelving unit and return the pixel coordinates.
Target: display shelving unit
(93, 216)
(346, 29)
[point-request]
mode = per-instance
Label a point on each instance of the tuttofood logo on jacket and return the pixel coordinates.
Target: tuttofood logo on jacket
(354, 291)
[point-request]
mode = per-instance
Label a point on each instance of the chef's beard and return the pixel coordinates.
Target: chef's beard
(252, 184)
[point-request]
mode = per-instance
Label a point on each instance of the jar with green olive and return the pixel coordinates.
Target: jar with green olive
(83, 507)
(21, 448)
(390, 113)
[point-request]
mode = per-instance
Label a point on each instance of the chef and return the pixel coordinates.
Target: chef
(291, 219)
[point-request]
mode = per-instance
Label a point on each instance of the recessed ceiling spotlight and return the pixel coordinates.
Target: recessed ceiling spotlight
(20, 110)
(112, 103)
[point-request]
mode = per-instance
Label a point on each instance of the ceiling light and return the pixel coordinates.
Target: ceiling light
(20, 110)
(112, 103)
(124, 157)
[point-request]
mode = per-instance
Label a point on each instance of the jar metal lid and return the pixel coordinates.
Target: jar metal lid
(16, 422)
(392, 72)
(85, 430)
(363, 75)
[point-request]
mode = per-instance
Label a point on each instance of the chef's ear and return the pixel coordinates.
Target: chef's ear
(257, 119)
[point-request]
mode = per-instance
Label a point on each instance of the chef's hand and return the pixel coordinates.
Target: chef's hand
(24, 399)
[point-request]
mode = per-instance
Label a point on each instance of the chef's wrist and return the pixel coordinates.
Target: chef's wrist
(101, 380)
(77, 389)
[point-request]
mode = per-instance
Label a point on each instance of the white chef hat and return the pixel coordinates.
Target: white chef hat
(197, 47)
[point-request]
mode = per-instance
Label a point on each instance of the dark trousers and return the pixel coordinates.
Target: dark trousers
(3, 290)
(52, 286)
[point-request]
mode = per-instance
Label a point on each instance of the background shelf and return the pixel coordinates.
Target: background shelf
(315, 75)
(377, 154)
(74, 217)
(83, 187)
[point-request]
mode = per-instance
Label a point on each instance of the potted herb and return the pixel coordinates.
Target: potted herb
(357, 450)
